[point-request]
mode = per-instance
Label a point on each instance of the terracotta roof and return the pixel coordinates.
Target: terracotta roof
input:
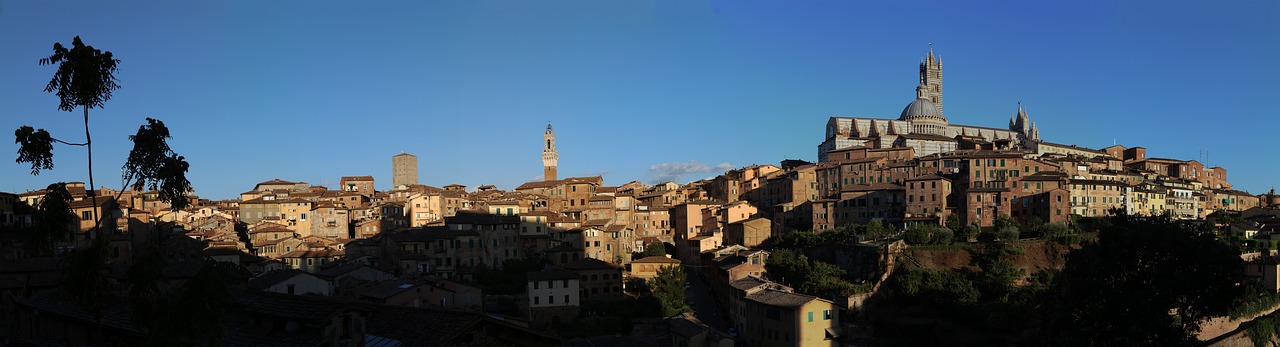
(748, 282)
(313, 253)
(552, 275)
(780, 298)
(656, 259)
(927, 177)
(387, 289)
(356, 178)
(539, 184)
(872, 187)
(274, 277)
(591, 264)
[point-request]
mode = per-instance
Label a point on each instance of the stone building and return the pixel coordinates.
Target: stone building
(404, 169)
(922, 125)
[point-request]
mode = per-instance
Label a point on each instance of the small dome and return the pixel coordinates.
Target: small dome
(921, 107)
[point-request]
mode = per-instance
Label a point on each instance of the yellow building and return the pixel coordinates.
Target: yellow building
(778, 318)
(1149, 202)
(647, 268)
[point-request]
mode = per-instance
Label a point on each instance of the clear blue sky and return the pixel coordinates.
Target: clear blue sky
(315, 90)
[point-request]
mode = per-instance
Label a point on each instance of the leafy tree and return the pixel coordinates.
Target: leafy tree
(827, 280)
(655, 249)
(999, 273)
(843, 235)
(53, 219)
(85, 78)
(953, 222)
(918, 234)
(787, 266)
(874, 230)
(1052, 230)
(964, 233)
(942, 236)
(938, 287)
(668, 287)
(796, 240)
(1145, 281)
(1008, 233)
(1005, 221)
(809, 277)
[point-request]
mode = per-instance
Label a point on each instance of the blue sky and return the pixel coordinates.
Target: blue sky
(636, 90)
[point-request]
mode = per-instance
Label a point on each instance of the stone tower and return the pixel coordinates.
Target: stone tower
(549, 155)
(404, 170)
(931, 79)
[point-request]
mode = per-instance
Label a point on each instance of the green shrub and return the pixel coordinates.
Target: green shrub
(942, 236)
(1008, 233)
(918, 235)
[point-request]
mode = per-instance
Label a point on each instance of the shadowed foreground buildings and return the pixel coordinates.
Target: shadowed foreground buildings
(268, 319)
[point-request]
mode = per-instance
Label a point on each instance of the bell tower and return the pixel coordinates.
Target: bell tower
(931, 79)
(549, 155)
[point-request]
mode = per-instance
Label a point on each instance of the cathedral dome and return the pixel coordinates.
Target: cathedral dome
(921, 107)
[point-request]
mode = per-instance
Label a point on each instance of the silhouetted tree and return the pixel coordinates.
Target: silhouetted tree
(1145, 281)
(85, 78)
(53, 219)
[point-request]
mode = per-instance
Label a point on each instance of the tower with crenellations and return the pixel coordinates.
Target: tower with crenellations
(549, 155)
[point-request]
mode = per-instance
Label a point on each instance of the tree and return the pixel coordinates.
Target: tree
(953, 222)
(873, 230)
(85, 78)
(827, 280)
(787, 266)
(53, 219)
(942, 236)
(1145, 281)
(966, 232)
(1004, 221)
(999, 273)
(1008, 233)
(654, 249)
(668, 287)
(918, 234)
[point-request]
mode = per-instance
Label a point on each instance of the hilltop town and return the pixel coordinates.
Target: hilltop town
(567, 260)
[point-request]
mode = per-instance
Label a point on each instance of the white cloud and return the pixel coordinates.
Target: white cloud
(674, 171)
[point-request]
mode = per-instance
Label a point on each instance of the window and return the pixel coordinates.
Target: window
(86, 215)
(810, 317)
(535, 300)
(551, 284)
(826, 314)
(566, 298)
(551, 299)
(566, 285)
(535, 284)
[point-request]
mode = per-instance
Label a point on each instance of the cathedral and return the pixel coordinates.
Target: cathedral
(922, 125)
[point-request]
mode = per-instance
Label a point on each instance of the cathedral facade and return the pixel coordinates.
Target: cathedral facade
(922, 125)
